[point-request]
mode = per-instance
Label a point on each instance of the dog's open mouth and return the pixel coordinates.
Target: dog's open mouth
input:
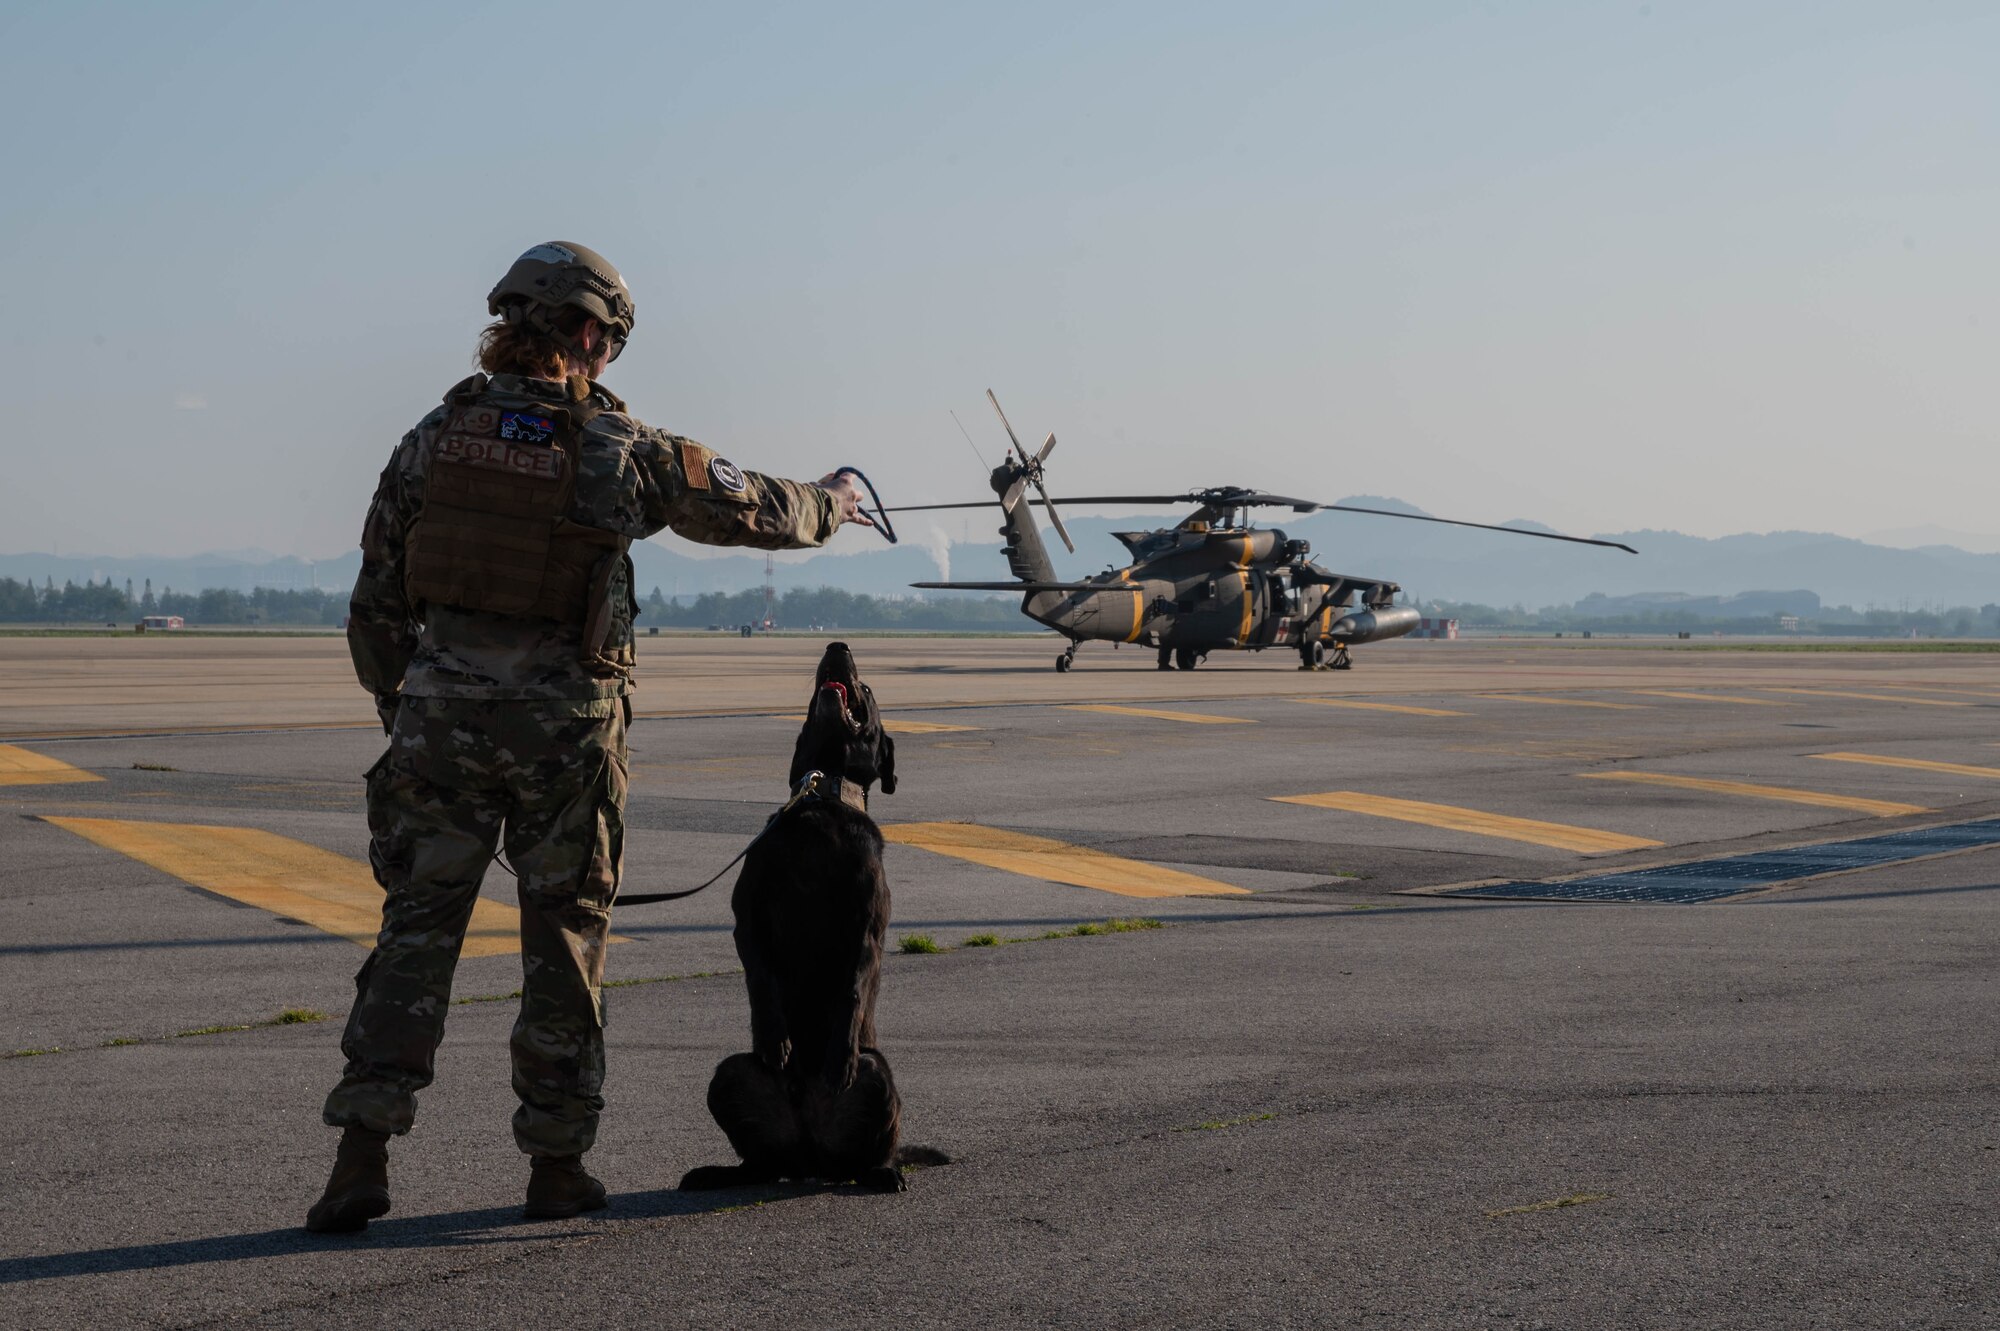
(842, 699)
(840, 686)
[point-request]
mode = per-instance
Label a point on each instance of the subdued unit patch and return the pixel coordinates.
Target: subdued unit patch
(23, 767)
(1158, 714)
(1561, 836)
(1819, 798)
(1054, 861)
(288, 878)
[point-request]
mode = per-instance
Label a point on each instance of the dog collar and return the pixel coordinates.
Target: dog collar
(817, 785)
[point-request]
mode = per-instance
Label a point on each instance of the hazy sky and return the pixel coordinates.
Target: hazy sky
(1716, 267)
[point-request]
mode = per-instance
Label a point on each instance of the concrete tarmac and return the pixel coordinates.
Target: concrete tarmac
(1319, 1095)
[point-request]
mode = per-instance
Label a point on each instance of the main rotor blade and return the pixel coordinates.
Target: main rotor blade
(1048, 447)
(1009, 428)
(1050, 506)
(1483, 526)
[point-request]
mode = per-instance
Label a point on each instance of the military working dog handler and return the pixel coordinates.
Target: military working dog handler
(492, 620)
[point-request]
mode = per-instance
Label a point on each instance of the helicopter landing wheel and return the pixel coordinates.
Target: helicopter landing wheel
(1066, 660)
(1186, 658)
(1166, 658)
(1312, 655)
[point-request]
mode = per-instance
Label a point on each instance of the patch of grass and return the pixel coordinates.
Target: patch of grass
(291, 1016)
(1215, 1124)
(32, 1053)
(1553, 1204)
(1091, 929)
(920, 944)
(120, 1042)
(489, 998)
(658, 979)
(983, 940)
(153, 767)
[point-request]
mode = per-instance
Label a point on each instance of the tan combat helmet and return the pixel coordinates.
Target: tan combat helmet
(559, 274)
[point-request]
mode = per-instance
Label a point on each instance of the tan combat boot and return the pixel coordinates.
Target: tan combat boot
(359, 1189)
(560, 1187)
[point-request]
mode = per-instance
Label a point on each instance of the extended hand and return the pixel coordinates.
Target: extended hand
(846, 496)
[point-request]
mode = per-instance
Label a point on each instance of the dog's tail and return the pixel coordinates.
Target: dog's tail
(923, 1157)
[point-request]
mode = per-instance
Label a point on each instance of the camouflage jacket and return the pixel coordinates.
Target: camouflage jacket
(632, 480)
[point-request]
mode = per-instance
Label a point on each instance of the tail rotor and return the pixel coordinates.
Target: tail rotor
(1030, 471)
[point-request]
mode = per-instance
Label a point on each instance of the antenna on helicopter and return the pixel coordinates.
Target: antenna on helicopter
(1031, 470)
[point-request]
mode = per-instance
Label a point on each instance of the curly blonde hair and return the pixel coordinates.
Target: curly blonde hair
(515, 348)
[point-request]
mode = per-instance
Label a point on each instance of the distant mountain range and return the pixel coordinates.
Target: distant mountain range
(1430, 561)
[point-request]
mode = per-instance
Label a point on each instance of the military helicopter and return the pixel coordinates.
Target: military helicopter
(1210, 582)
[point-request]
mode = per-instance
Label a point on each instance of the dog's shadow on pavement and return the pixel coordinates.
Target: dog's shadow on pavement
(454, 1229)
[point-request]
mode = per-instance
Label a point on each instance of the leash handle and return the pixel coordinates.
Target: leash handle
(809, 785)
(880, 517)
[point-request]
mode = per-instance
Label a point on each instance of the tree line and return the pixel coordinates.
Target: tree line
(826, 607)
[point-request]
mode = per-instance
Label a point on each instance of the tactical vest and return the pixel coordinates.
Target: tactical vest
(493, 532)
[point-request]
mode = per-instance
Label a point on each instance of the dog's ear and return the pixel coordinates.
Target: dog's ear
(887, 764)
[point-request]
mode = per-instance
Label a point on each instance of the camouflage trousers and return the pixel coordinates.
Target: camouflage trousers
(458, 774)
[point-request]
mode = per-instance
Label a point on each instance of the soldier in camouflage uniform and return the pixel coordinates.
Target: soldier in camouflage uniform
(492, 621)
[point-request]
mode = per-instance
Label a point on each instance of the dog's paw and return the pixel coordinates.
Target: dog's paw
(883, 1178)
(707, 1178)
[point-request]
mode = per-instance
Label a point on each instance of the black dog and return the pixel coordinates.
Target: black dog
(814, 1098)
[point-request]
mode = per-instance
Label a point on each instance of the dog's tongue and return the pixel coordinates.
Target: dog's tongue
(837, 687)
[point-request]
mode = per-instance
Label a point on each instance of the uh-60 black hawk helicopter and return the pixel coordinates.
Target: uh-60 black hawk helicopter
(1211, 581)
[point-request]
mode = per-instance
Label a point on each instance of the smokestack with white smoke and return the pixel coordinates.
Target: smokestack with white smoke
(938, 546)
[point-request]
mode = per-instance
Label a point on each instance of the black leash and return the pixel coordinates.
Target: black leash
(808, 787)
(880, 517)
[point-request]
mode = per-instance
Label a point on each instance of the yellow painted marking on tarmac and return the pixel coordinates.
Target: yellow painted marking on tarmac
(896, 727)
(1567, 702)
(21, 767)
(1869, 697)
(1715, 697)
(1054, 861)
(327, 891)
(1916, 764)
(1820, 798)
(1192, 718)
(1933, 688)
(1562, 836)
(1380, 706)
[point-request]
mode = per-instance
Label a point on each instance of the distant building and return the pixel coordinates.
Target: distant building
(1435, 628)
(162, 622)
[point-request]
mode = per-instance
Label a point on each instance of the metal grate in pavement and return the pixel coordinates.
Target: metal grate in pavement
(1712, 880)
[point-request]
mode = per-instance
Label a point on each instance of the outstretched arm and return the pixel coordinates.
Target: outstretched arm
(707, 498)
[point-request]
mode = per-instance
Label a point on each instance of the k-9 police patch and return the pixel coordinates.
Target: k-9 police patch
(727, 475)
(522, 428)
